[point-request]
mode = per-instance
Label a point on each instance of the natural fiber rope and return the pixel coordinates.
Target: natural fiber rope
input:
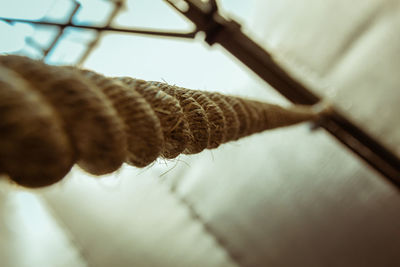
(231, 123)
(32, 140)
(195, 116)
(90, 121)
(52, 117)
(242, 115)
(142, 127)
(215, 120)
(169, 112)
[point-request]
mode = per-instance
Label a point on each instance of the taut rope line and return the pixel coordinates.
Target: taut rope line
(53, 117)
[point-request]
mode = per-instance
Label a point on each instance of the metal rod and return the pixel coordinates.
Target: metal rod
(228, 34)
(188, 35)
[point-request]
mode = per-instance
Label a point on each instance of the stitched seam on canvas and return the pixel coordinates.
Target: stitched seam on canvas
(235, 257)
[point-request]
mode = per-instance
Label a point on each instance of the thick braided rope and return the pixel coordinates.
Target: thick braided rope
(90, 121)
(32, 139)
(52, 117)
(194, 114)
(215, 119)
(231, 119)
(174, 126)
(142, 127)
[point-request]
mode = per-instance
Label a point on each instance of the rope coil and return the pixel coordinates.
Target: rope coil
(52, 117)
(170, 114)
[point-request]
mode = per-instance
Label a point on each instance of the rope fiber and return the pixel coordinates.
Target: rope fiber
(52, 117)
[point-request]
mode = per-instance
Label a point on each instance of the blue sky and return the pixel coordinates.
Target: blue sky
(137, 13)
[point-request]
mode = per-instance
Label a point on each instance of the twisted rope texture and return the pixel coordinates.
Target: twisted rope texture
(54, 117)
